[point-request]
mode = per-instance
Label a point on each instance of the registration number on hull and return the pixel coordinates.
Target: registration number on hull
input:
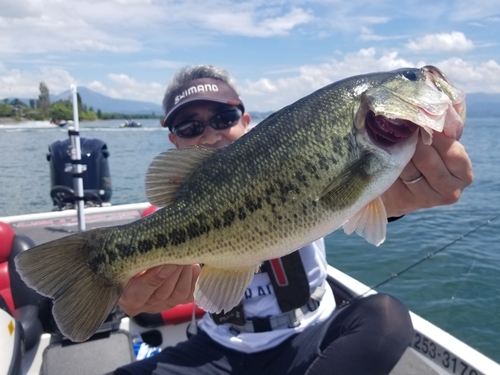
(441, 356)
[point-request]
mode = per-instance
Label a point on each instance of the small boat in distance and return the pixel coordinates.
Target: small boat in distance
(131, 124)
(60, 123)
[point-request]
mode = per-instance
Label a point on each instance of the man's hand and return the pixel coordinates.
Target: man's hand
(446, 170)
(159, 288)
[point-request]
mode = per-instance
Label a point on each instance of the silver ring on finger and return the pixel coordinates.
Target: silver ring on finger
(414, 181)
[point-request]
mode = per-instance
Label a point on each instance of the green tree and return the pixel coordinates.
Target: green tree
(44, 98)
(79, 101)
(88, 116)
(61, 110)
(18, 102)
(5, 110)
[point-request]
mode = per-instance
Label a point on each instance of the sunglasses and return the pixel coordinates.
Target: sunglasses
(221, 121)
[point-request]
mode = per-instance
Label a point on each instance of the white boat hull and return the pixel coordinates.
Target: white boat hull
(432, 350)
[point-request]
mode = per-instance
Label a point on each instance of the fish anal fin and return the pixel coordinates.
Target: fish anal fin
(370, 222)
(170, 169)
(220, 289)
(58, 270)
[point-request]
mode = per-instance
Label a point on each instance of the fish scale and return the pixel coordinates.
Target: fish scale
(300, 174)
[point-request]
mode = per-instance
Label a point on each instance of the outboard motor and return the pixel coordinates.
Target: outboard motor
(96, 176)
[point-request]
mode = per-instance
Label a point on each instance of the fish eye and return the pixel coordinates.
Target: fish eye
(410, 75)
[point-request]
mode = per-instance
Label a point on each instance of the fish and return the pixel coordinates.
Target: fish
(316, 165)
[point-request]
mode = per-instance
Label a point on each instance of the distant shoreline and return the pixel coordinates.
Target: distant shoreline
(10, 120)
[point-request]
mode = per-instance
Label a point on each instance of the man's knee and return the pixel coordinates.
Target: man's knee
(390, 314)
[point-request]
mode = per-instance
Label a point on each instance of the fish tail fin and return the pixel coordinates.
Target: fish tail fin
(58, 270)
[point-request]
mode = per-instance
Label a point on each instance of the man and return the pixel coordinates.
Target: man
(263, 334)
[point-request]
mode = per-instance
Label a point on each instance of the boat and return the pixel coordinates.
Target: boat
(58, 122)
(45, 350)
(131, 124)
(32, 344)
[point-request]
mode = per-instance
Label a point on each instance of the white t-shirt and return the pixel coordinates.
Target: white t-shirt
(260, 301)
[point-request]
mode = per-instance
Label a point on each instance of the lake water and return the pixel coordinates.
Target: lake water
(457, 289)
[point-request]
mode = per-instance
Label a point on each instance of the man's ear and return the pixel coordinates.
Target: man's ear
(173, 139)
(245, 118)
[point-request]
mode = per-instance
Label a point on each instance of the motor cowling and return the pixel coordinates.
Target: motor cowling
(96, 176)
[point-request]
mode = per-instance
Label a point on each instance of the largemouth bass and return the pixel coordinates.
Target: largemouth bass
(314, 166)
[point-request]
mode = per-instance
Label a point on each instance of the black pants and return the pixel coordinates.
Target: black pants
(366, 337)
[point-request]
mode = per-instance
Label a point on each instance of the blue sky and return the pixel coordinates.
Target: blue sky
(277, 51)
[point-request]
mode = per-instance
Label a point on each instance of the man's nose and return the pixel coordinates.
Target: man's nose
(210, 136)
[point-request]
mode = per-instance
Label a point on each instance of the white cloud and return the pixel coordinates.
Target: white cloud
(268, 92)
(49, 34)
(125, 87)
(283, 24)
(117, 26)
(19, 8)
(279, 92)
(470, 77)
(368, 35)
(465, 10)
(444, 42)
(16, 83)
(309, 78)
(252, 22)
(161, 64)
(129, 48)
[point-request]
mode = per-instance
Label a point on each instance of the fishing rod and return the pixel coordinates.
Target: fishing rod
(428, 256)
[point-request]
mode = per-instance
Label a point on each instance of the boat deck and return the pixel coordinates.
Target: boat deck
(447, 356)
(43, 228)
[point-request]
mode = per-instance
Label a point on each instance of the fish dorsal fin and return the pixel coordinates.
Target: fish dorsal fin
(370, 222)
(170, 169)
(220, 289)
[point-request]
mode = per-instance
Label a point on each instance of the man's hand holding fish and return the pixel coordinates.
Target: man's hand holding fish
(159, 288)
(446, 170)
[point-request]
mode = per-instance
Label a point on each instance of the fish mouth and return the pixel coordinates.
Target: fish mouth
(387, 132)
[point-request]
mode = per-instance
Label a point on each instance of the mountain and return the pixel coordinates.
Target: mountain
(483, 105)
(478, 104)
(109, 105)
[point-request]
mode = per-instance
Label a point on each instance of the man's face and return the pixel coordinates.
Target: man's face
(204, 111)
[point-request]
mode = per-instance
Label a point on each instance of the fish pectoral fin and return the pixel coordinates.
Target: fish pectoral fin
(170, 169)
(370, 222)
(349, 183)
(220, 289)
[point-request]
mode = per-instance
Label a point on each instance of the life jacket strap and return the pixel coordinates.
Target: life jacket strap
(289, 319)
(289, 280)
